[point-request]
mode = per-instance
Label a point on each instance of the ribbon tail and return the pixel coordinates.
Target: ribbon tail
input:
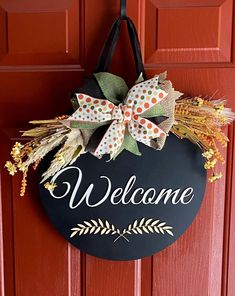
(111, 141)
(129, 144)
(145, 132)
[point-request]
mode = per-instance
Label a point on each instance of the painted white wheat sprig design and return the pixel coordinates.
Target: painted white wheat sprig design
(96, 227)
(137, 227)
(147, 226)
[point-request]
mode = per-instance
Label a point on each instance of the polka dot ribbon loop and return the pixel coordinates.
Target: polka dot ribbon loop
(128, 116)
(92, 110)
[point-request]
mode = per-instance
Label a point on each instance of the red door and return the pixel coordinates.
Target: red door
(46, 48)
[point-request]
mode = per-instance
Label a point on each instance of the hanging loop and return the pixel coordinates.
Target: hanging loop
(123, 9)
(112, 39)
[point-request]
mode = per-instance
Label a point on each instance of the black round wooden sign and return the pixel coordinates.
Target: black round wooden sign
(130, 207)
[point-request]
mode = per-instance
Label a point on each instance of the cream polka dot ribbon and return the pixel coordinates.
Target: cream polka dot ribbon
(128, 115)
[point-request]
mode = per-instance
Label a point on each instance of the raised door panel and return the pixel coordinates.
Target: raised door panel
(186, 32)
(41, 33)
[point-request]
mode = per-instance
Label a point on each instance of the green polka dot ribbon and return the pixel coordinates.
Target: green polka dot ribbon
(127, 121)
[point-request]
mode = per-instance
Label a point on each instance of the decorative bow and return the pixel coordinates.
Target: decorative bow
(127, 120)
